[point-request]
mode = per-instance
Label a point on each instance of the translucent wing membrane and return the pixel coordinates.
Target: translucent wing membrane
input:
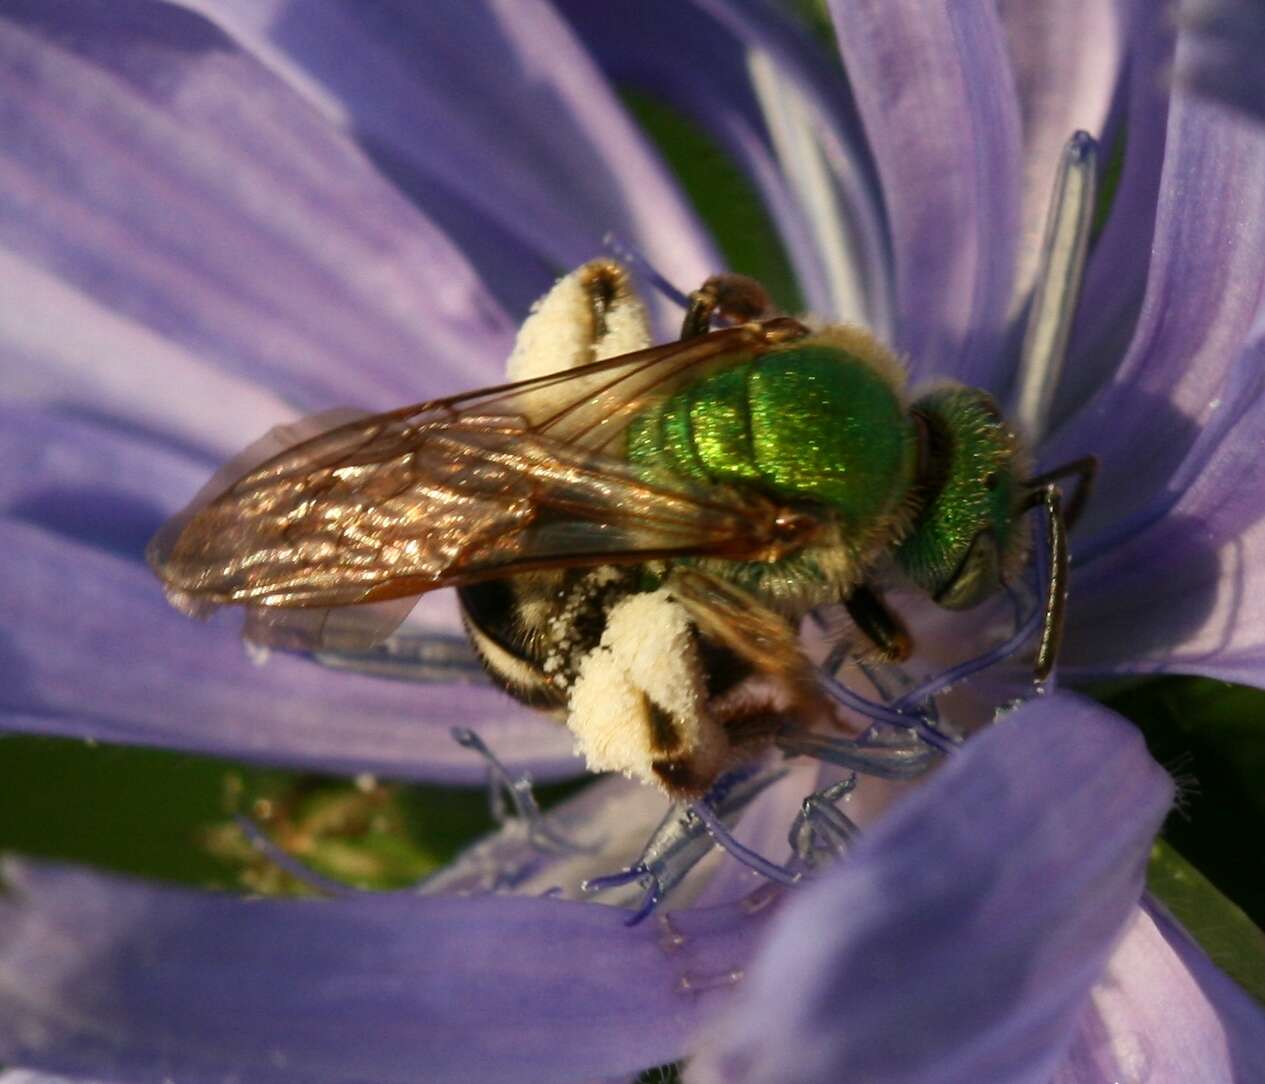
(485, 484)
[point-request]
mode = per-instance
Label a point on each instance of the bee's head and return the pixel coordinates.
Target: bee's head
(966, 540)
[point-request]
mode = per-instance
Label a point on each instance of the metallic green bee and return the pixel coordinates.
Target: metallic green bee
(636, 538)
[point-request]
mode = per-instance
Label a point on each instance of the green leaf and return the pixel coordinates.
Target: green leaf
(1108, 184)
(1226, 934)
(138, 811)
(1211, 737)
(169, 816)
(723, 197)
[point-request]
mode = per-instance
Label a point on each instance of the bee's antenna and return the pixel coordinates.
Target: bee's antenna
(1084, 470)
(1053, 613)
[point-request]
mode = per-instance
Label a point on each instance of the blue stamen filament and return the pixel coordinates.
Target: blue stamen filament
(283, 860)
(716, 829)
(637, 261)
(519, 792)
(884, 760)
(822, 826)
(683, 839)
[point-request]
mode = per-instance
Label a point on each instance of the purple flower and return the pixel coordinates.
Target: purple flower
(1226, 39)
(217, 215)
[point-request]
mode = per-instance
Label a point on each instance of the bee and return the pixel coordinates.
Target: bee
(635, 532)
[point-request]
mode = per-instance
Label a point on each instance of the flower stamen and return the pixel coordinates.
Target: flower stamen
(903, 759)
(822, 832)
(744, 854)
(518, 791)
(636, 260)
(283, 860)
(683, 838)
(1059, 272)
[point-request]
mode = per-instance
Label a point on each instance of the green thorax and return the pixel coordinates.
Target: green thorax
(809, 422)
(966, 539)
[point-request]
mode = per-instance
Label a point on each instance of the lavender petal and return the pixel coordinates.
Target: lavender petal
(1116, 275)
(499, 109)
(1163, 1012)
(162, 185)
(1178, 587)
(960, 939)
(113, 978)
(1204, 289)
(92, 650)
(934, 88)
(697, 57)
(1225, 60)
(1067, 58)
(845, 223)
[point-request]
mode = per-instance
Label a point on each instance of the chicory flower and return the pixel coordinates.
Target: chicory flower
(215, 215)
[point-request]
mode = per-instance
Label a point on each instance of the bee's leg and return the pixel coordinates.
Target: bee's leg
(1051, 499)
(878, 624)
(735, 298)
(589, 315)
(1085, 470)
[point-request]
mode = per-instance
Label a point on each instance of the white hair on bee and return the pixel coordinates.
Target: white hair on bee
(647, 660)
(589, 315)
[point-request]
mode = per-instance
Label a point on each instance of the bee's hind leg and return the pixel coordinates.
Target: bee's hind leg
(878, 624)
(735, 298)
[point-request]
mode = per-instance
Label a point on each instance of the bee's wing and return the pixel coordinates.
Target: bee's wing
(343, 631)
(591, 407)
(485, 484)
